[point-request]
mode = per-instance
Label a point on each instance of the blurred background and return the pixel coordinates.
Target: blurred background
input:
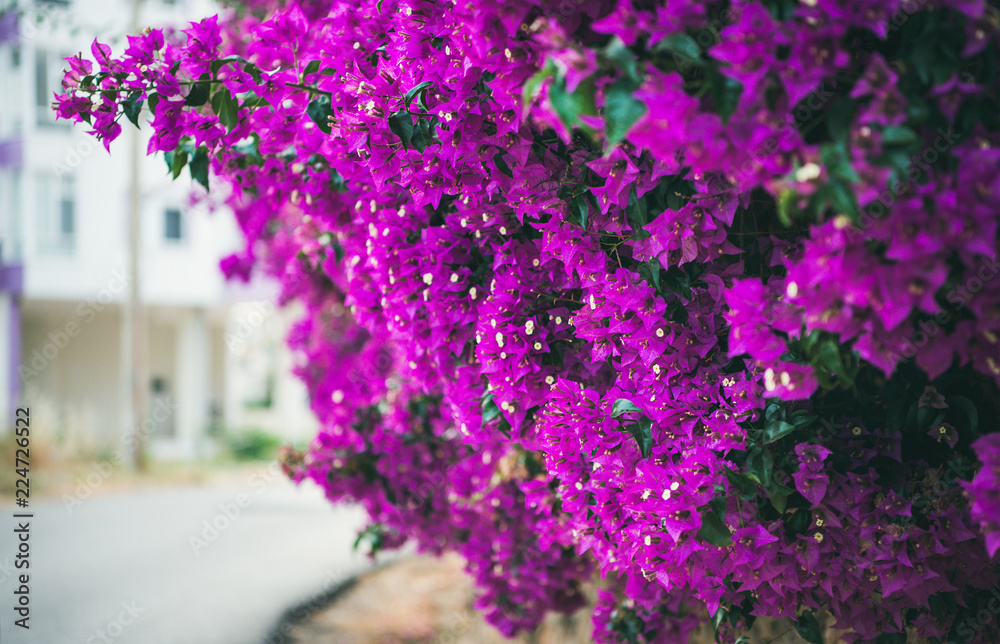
(67, 322)
(158, 393)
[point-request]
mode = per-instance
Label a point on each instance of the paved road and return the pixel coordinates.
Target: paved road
(143, 567)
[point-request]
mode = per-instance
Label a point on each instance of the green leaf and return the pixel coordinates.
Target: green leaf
(677, 192)
(829, 358)
(928, 417)
(253, 101)
(745, 486)
(418, 89)
(778, 500)
(401, 124)
(623, 406)
(682, 45)
(338, 250)
(623, 59)
(621, 110)
(226, 108)
(837, 160)
(788, 209)
(337, 181)
(153, 100)
(569, 106)
(254, 72)
(638, 214)
(895, 415)
(840, 118)
(726, 93)
(198, 94)
(781, 9)
(132, 107)
(176, 161)
(898, 135)
(532, 84)
(199, 166)
(776, 431)
(311, 68)
(970, 115)
(373, 536)
(217, 64)
(968, 408)
(780, 488)
(923, 57)
(423, 135)
(797, 522)
(642, 433)
(717, 619)
(490, 409)
(566, 191)
(579, 209)
(802, 419)
(650, 272)
(842, 199)
(759, 465)
(319, 111)
(501, 165)
(678, 281)
(808, 628)
(713, 530)
(778, 495)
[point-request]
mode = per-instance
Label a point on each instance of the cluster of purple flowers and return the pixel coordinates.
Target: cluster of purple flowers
(697, 295)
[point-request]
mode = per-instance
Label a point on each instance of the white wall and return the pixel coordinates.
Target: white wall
(178, 274)
(70, 371)
(79, 393)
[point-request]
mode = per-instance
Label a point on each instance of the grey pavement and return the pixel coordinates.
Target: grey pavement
(178, 565)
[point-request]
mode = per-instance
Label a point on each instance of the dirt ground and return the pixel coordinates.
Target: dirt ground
(426, 600)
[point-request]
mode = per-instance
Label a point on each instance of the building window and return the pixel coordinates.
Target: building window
(56, 214)
(48, 81)
(173, 224)
(163, 424)
(41, 79)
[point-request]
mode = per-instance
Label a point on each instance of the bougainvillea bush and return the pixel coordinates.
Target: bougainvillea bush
(698, 299)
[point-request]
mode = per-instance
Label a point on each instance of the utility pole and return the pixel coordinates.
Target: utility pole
(134, 337)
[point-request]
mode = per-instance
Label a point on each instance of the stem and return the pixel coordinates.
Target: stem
(311, 90)
(775, 639)
(207, 81)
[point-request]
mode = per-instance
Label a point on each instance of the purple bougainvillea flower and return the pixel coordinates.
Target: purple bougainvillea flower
(562, 358)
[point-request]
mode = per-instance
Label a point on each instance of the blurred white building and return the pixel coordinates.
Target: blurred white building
(63, 265)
